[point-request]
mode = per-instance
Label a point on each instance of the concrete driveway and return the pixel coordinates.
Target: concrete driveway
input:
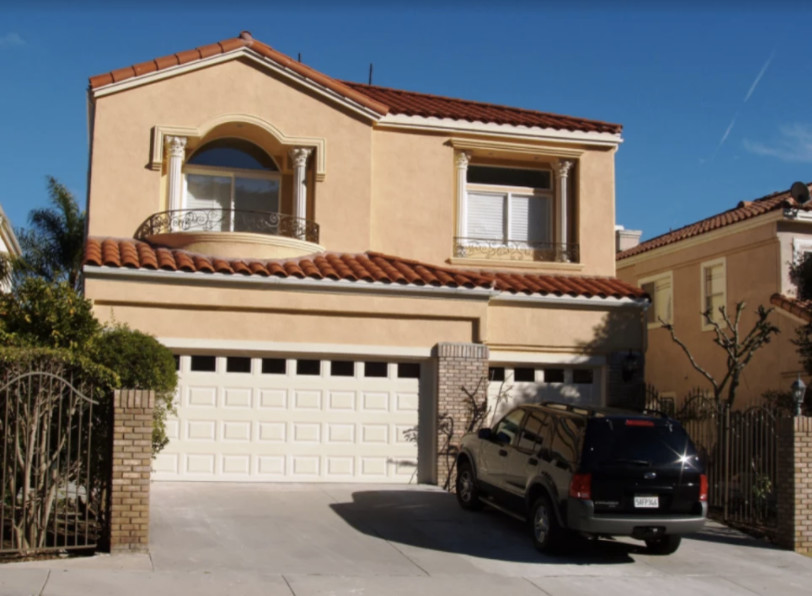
(305, 540)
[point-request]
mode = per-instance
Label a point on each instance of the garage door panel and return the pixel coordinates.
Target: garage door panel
(241, 426)
(201, 396)
(237, 397)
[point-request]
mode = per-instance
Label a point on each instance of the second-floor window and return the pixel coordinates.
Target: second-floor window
(510, 206)
(714, 294)
(231, 175)
(660, 291)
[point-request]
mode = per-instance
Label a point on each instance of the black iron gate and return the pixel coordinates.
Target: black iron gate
(740, 450)
(53, 488)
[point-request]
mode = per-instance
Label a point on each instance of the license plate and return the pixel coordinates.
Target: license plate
(647, 502)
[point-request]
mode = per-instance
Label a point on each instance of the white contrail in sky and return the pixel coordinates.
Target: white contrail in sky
(746, 97)
(758, 77)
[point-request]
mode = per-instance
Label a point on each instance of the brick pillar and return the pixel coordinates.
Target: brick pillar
(132, 460)
(458, 366)
(794, 484)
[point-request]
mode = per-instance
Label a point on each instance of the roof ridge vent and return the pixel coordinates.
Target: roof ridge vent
(744, 204)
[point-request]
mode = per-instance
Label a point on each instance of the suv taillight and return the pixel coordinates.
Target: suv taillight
(581, 486)
(703, 487)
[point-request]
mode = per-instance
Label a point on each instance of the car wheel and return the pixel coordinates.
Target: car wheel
(467, 493)
(544, 525)
(664, 545)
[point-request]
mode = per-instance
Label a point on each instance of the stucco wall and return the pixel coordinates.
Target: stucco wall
(122, 136)
(383, 189)
(753, 258)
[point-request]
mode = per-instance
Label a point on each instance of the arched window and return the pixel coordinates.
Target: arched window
(231, 175)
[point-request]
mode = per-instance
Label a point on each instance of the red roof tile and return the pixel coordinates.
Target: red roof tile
(743, 211)
(366, 267)
(800, 308)
(411, 103)
(379, 99)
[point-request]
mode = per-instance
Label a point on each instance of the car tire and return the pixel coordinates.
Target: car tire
(544, 528)
(664, 545)
(467, 492)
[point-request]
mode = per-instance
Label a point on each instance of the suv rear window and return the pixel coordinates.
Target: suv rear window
(633, 441)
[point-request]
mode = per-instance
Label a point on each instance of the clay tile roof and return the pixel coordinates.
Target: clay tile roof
(800, 308)
(743, 211)
(411, 103)
(359, 268)
(381, 100)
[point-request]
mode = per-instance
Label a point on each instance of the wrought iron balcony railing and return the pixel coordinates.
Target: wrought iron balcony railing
(229, 220)
(484, 248)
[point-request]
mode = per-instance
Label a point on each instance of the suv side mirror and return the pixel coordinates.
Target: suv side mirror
(485, 434)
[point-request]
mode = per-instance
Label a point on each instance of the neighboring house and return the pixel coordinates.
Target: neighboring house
(336, 264)
(9, 246)
(742, 254)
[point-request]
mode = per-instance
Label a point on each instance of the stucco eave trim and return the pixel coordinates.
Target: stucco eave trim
(595, 302)
(423, 123)
(285, 283)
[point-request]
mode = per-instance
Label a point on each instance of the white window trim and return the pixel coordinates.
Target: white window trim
(800, 246)
(702, 297)
(654, 279)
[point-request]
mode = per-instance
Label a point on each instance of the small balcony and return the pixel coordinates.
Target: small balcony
(232, 233)
(485, 248)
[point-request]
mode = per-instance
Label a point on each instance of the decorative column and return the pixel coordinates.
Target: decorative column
(463, 158)
(299, 157)
(176, 149)
(563, 170)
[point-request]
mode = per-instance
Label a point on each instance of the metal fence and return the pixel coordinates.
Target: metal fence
(52, 490)
(740, 451)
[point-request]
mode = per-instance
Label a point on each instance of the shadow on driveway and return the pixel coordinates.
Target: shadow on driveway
(433, 520)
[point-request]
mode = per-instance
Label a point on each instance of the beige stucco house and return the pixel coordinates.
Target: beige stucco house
(337, 264)
(742, 254)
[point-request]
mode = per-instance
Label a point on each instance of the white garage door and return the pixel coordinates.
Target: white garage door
(292, 419)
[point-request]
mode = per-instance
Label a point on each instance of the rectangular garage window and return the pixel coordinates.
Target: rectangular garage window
(408, 370)
(375, 369)
(342, 368)
(582, 376)
(238, 364)
(553, 375)
(308, 367)
(177, 362)
(496, 373)
(204, 363)
(274, 366)
(524, 375)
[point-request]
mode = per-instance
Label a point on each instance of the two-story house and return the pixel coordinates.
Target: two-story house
(740, 255)
(338, 264)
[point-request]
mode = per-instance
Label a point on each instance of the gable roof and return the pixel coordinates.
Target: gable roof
(364, 267)
(743, 211)
(380, 100)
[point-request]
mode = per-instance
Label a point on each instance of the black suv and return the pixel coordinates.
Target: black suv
(598, 472)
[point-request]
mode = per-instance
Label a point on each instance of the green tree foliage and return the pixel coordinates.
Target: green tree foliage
(40, 313)
(141, 362)
(43, 314)
(52, 248)
(801, 275)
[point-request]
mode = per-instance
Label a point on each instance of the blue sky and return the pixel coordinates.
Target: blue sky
(716, 102)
